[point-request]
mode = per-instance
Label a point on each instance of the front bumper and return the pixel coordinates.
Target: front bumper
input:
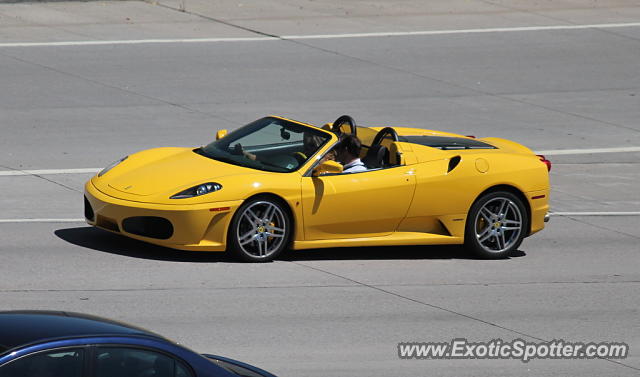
(201, 227)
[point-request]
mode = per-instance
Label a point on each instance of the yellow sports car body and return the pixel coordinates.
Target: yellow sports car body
(270, 186)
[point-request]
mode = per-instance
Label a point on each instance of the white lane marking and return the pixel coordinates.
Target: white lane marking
(49, 171)
(556, 152)
(136, 41)
(463, 31)
(42, 220)
(594, 213)
(322, 36)
(79, 220)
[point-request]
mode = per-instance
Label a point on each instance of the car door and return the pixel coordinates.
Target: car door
(353, 205)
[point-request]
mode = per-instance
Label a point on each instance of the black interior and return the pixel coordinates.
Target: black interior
(377, 157)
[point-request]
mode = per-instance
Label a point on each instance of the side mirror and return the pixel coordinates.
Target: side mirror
(327, 167)
(220, 134)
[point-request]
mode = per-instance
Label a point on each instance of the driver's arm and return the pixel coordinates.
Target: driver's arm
(250, 155)
(237, 149)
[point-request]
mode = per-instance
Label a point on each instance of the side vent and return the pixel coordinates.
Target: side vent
(443, 229)
(453, 162)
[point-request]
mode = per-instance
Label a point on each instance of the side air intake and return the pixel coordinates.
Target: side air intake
(88, 211)
(453, 162)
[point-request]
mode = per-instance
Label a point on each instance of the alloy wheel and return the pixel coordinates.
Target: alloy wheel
(261, 229)
(498, 225)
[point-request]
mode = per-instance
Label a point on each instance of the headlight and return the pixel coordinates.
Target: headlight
(111, 166)
(198, 190)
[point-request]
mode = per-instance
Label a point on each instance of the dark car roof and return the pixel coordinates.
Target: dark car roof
(446, 142)
(19, 328)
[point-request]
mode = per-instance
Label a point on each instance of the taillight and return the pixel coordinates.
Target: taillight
(545, 161)
(471, 136)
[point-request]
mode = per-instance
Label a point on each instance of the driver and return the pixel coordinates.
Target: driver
(348, 154)
(310, 144)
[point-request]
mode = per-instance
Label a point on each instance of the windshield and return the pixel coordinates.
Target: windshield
(268, 144)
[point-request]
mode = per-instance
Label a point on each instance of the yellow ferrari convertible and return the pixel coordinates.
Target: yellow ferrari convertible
(271, 185)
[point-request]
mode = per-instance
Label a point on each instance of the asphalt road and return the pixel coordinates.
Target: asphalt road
(338, 312)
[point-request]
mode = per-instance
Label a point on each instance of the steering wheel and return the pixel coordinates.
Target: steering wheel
(387, 131)
(342, 120)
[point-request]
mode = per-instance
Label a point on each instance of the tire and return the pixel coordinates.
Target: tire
(496, 225)
(260, 230)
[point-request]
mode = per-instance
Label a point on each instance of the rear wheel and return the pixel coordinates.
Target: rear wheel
(259, 230)
(496, 225)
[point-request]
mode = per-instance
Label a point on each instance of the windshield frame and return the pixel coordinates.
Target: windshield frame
(219, 150)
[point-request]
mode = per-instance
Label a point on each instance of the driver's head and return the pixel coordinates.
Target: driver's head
(348, 148)
(311, 143)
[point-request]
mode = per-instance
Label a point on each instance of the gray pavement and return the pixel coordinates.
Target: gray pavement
(328, 312)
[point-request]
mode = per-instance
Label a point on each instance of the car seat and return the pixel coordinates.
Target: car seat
(377, 157)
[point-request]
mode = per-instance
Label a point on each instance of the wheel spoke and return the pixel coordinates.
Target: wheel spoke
(259, 244)
(510, 228)
(272, 228)
(269, 234)
(486, 214)
(252, 216)
(504, 243)
(511, 222)
(501, 212)
(485, 235)
(269, 212)
(497, 237)
(247, 237)
(484, 231)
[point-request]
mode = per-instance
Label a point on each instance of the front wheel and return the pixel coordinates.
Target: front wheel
(260, 230)
(496, 225)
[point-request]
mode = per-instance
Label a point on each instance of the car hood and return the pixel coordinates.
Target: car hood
(165, 170)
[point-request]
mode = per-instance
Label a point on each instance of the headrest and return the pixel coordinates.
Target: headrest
(395, 156)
